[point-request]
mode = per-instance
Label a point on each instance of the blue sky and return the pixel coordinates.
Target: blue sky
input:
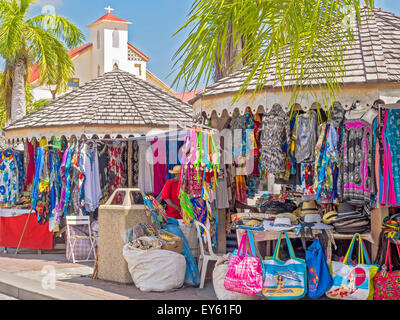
(153, 24)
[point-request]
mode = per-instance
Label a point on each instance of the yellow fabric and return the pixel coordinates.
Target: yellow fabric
(43, 142)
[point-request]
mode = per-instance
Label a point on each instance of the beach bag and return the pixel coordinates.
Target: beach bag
(284, 279)
(387, 283)
(244, 271)
(318, 274)
(353, 282)
(219, 273)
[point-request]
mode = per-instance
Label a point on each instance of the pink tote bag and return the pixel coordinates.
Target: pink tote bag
(244, 271)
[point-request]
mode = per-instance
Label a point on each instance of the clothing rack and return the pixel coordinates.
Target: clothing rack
(191, 125)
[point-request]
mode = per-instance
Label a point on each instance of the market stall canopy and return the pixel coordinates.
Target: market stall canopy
(372, 63)
(117, 104)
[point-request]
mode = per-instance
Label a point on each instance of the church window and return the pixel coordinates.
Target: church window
(98, 39)
(73, 83)
(115, 37)
(139, 67)
(98, 70)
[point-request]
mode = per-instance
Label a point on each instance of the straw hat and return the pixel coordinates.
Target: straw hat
(175, 170)
(329, 217)
(309, 207)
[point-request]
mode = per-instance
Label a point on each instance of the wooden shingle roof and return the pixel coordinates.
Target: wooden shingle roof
(116, 98)
(374, 57)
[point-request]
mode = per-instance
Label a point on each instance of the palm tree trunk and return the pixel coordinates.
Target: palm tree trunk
(225, 67)
(18, 99)
(7, 88)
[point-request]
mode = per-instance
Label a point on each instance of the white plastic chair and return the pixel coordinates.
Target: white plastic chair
(76, 221)
(205, 257)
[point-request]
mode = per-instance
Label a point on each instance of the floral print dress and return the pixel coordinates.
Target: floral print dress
(9, 183)
(116, 166)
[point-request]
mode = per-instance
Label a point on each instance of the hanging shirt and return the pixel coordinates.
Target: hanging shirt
(92, 181)
(171, 191)
(145, 179)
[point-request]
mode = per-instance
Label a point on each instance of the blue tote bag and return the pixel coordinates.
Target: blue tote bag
(284, 279)
(318, 274)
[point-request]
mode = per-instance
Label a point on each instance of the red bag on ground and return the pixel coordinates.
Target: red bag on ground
(387, 283)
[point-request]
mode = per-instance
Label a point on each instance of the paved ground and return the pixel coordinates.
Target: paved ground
(78, 278)
(4, 297)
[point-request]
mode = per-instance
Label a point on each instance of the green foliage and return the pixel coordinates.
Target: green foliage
(31, 104)
(44, 39)
(294, 39)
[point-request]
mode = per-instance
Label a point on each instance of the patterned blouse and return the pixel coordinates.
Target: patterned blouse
(274, 124)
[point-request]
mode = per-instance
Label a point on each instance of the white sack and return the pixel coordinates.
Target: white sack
(155, 269)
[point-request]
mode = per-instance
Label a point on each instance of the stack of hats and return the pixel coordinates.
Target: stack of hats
(276, 206)
(308, 207)
(348, 220)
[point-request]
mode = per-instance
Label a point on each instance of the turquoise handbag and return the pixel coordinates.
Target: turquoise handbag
(284, 279)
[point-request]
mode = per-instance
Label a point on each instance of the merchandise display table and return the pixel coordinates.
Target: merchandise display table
(19, 228)
(271, 236)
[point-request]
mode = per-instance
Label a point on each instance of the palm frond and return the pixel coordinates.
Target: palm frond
(281, 41)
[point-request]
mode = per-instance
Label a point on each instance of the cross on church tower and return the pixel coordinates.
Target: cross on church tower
(109, 9)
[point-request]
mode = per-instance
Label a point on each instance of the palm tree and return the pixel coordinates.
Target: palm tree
(44, 39)
(31, 103)
(292, 38)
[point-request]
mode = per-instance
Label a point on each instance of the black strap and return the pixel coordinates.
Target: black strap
(305, 228)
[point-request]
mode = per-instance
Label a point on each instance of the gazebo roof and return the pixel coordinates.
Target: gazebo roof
(374, 57)
(113, 100)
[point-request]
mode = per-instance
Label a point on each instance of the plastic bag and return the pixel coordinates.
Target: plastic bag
(192, 275)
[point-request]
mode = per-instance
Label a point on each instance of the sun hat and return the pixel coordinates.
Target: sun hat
(279, 224)
(329, 217)
(345, 208)
(291, 216)
(314, 221)
(348, 212)
(175, 170)
(309, 207)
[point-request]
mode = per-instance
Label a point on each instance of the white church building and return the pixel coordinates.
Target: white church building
(108, 46)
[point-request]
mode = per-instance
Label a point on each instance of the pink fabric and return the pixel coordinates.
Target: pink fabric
(159, 166)
(377, 173)
(244, 272)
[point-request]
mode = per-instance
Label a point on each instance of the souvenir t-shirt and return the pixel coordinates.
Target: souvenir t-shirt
(171, 191)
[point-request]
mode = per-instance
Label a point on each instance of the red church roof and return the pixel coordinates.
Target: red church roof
(34, 71)
(109, 17)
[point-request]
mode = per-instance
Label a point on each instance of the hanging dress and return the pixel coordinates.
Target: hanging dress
(9, 184)
(306, 133)
(274, 124)
(356, 176)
